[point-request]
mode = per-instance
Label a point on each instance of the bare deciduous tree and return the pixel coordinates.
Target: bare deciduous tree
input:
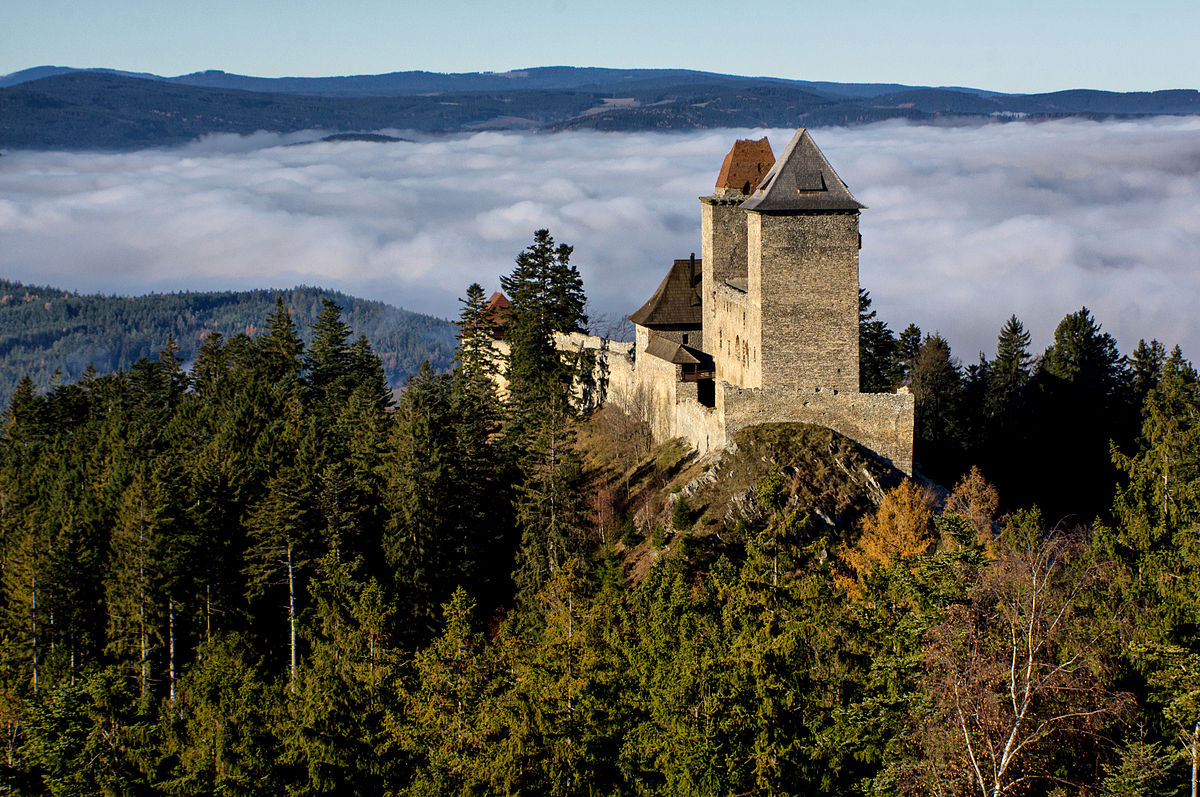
(1017, 670)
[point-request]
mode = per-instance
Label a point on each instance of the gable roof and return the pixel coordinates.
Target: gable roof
(495, 312)
(676, 303)
(669, 350)
(801, 179)
(677, 353)
(745, 165)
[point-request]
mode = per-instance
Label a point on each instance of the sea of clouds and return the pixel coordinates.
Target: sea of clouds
(965, 225)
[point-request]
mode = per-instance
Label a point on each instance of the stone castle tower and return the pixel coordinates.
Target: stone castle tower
(780, 269)
(763, 327)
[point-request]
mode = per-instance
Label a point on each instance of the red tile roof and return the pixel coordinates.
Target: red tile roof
(745, 165)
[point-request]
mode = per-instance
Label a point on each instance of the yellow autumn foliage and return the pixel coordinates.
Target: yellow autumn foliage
(900, 529)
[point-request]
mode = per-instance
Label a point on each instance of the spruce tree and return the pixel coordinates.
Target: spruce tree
(547, 297)
(327, 362)
(879, 367)
(1080, 411)
(937, 391)
(426, 539)
(281, 347)
(1010, 373)
(282, 547)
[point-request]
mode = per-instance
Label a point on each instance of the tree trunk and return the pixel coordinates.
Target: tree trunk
(1195, 755)
(33, 627)
(144, 645)
(291, 618)
(171, 645)
(143, 636)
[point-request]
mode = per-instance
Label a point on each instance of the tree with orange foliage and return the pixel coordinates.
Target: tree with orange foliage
(900, 530)
(971, 512)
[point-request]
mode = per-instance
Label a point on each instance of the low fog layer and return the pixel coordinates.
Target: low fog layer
(965, 226)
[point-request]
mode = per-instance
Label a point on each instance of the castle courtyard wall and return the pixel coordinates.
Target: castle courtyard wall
(735, 355)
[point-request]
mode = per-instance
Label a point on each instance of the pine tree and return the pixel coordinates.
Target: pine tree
(485, 494)
(1010, 373)
(135, 611)
(879, 367)
(547, 297)
(221, 731)
(1080, 412)
(425, 541)
(334, 728)
(327, 362)
(551, 507)
(446, 723)
(936, 383)
(281, 346)
(1145, 369)
(283, 545)
(909, 345)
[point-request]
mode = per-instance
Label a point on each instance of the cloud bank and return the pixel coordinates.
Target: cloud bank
(965, 225)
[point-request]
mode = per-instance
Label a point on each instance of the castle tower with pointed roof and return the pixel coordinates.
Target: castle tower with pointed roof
(780, 254)
(763, 327)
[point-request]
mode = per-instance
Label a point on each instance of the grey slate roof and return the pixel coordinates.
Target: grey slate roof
(676, 303)
(677, 353)
(800, 180)
(669, 350)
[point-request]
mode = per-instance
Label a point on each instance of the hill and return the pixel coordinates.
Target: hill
(105, 109)
(44, 331)
(636, 487)
(396, 84)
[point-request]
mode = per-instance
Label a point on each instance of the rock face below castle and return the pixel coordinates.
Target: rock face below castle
(763, 327)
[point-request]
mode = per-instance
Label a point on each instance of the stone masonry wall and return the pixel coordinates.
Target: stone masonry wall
(807, 265)
(729, 344)
(881, 422)
(722, 242)
(648, 388)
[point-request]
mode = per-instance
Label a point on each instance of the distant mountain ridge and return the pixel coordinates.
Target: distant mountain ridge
(61, 108)
(398, 84)
(44, 330)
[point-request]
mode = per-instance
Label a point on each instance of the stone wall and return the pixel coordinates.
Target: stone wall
(722, 241)
(881, 422)
(703, 427)
(649, 389)
(806, 266)
(735, 354)
(613, 378)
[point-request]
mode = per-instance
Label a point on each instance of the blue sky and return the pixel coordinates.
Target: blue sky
(1018, 46)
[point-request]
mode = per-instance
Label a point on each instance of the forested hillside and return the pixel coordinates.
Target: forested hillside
(98, 109)
(46, 330)
(263, 577)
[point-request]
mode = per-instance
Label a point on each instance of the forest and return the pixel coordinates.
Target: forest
(56, 336)
(266, 574)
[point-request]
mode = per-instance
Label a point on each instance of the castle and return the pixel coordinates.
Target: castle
(763, 326)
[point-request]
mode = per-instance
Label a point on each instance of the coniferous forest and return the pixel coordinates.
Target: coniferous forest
(56, 336)
(265, 575)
